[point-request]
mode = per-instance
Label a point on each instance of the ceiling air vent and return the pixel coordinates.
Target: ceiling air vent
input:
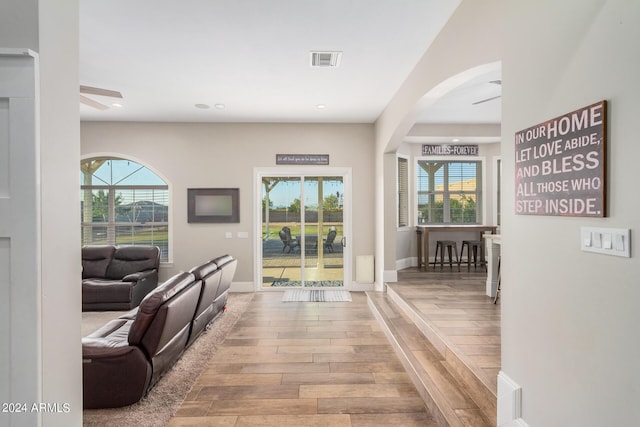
(325, 59)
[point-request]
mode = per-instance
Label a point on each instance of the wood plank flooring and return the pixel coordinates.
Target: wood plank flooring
(460, 313)
(457, 377)
(330, 364)
(304, 364)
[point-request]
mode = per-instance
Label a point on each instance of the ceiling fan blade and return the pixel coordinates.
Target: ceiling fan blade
(91, 103)
(485, 100)
(99, 91)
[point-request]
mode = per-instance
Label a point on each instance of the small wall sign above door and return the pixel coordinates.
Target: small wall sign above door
(302, 159)
(450, 150)
(561, 165)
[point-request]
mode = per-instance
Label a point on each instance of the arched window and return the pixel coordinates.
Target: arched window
(123, 203)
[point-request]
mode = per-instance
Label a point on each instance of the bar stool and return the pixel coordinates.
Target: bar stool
(476, 246)
(440, 247)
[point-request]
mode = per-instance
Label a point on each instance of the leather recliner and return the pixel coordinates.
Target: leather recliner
(128, 355)
(117, 278)
(125, 358)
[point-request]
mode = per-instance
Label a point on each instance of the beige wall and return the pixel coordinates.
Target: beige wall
(569, 318)
(225, 155)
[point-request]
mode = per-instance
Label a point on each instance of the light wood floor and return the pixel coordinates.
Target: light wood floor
(457, 308)
(330, 364)
(304, 364)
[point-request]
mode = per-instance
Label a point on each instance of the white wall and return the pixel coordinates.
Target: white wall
(224, 155)
(61, 259)
(569, 318)
(50, 28)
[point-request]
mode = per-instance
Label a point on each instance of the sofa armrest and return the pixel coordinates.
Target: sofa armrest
(114, 375)
(135, 277)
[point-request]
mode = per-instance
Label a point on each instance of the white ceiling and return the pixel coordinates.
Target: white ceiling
(253, 56)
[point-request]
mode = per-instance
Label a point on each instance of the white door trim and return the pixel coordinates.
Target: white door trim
(284, 171)
(20, 233)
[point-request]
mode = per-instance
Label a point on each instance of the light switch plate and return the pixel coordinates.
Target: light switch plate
(608, 241)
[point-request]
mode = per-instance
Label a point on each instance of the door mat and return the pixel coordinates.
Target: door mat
(280, 283)
(316, 295)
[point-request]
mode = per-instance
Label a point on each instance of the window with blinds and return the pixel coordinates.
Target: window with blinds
(403, 192)
(123, 203)
(449, 192)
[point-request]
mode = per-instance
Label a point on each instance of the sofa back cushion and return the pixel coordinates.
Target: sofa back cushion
(95, 260)
(210, 275)
(202, 271)
(228, 271)
(153, 301)
(222, 260)
(132, 259)
(162, 324)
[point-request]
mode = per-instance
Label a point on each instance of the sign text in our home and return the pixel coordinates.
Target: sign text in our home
(560, 165)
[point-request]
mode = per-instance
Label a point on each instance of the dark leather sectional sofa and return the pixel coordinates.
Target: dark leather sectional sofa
(118, 277)
(125, 358)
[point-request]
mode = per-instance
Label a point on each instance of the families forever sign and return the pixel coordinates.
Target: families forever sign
(561, 165)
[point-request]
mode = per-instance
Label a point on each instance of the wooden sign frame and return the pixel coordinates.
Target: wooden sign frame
(561, 165)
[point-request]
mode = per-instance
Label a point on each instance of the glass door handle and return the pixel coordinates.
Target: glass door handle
(344, 242)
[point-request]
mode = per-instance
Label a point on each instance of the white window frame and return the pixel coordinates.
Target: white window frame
(169, 261)
(481, 159)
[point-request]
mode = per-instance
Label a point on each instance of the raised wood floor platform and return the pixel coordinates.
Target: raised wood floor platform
(446, 332)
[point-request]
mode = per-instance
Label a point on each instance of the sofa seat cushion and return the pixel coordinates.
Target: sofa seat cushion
(113, 334)
(104, 290)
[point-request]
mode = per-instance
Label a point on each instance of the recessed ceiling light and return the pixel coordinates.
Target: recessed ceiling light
(321, 106)
(202, 106)
(116, 105)
(220, 106)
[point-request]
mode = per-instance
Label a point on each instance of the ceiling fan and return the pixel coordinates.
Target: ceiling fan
(495, 82)
(97, 91)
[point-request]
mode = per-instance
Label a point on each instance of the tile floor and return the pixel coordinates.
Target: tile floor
(304, 364)
(329, 364)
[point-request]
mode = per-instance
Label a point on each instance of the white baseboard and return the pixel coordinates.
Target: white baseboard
(509, 402)
(403, 263)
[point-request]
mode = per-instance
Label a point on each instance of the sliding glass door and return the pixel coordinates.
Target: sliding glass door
(303, 231)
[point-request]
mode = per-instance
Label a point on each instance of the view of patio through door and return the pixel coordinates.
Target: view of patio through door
(302, 231)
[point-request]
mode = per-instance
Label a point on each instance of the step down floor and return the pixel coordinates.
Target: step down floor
(450, 389)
